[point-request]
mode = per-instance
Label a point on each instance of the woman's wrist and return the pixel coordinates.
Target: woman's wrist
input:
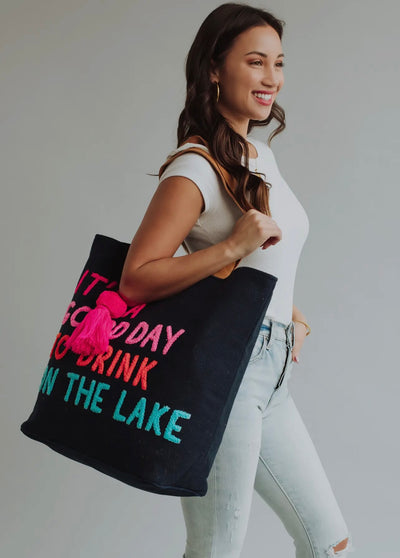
(305, 324)
(298, 316)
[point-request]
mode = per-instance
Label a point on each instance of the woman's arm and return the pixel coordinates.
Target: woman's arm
(298, 315)
(150, 271)
(300, 332)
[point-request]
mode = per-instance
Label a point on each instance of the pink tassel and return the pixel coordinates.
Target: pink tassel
(92, 335)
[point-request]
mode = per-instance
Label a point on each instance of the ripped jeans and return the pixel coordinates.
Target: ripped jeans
(266, 447)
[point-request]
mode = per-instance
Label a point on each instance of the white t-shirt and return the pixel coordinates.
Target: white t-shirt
(220, 214)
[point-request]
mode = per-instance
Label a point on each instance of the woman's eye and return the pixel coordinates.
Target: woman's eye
(280, 64)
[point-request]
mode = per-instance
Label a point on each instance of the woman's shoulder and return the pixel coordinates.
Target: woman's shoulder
(190, 162)
(199, 170)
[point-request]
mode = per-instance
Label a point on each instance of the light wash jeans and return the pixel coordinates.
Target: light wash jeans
(266, 447)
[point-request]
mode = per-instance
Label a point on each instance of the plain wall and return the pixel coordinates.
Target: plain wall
(90, 96)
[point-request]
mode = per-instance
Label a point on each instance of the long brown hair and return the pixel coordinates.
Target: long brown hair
(200, 115)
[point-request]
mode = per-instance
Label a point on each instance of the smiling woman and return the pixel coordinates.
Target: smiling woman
(234, 74)
(242, 79)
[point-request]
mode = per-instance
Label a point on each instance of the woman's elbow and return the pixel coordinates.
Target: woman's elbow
(130, 295)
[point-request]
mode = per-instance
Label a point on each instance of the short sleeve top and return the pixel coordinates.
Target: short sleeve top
(220, 213)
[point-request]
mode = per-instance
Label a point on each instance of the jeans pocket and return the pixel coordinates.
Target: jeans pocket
(258, 348)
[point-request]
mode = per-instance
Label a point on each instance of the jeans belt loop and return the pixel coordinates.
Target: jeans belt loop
(269, 334)
(290, 335)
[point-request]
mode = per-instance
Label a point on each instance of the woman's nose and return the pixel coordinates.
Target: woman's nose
(272, 78)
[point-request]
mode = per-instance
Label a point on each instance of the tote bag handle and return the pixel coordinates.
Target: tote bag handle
(227, 182)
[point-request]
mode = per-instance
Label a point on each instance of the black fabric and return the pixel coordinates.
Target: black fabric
(157, 430)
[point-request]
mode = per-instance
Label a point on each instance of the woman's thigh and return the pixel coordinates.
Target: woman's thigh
(291, 479)
(216, 523)
(267, 447)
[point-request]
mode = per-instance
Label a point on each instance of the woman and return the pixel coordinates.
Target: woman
(234, 74)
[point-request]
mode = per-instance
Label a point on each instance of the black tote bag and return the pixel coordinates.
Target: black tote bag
(151, 409)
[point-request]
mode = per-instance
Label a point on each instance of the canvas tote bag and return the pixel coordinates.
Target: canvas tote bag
(146, 396)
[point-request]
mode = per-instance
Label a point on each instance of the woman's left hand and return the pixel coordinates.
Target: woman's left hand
(300, 332)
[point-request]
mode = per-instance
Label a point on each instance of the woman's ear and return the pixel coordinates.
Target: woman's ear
(214, 74)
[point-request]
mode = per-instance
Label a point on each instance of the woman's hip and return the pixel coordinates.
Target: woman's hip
(270, 362)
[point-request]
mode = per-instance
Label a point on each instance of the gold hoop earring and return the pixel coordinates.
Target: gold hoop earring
(217, 90)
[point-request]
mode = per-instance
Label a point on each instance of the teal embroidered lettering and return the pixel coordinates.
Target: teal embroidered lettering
(87, 393)
(173, 426)
(117, 415)
(138, 412)
(96, 397)
(154, 418)
(91, 396)
(72, 378)
(48, 379)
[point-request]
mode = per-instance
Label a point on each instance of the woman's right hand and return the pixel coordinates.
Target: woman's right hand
(252, 230)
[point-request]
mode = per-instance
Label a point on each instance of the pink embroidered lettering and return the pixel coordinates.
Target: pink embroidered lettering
(97, 278)
(154, 335)
(81, 280)
(171, 338)
(144, 326)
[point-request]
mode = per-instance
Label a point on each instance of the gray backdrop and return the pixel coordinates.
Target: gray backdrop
(90, 96)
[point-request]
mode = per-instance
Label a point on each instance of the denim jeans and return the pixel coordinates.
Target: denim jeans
(266, 447)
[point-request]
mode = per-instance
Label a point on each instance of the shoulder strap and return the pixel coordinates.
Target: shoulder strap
(227, 180)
